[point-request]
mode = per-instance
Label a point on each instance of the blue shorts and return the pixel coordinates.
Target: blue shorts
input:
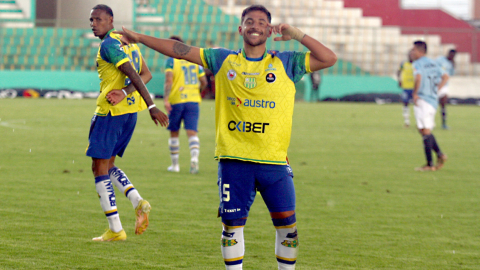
(189, 112)
(238, 182)
(110, 135)
(407, 95)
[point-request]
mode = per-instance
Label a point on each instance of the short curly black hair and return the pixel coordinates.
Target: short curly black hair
(255, 8)
(105, 8)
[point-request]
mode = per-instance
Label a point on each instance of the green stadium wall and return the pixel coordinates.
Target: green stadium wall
(332, 86)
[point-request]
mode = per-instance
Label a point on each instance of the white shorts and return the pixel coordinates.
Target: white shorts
(424, 114)
(443, 91)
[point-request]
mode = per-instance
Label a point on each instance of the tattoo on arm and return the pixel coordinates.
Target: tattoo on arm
(166, 90)
(181, 49)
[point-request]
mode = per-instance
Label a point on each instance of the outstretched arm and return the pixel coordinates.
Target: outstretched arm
(155, 113)
(167, 47)
(320, 56)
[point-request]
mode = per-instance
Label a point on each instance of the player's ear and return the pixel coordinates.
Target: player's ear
(269, 31)
(240, 30)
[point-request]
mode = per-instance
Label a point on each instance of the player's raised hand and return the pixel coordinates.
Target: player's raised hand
(128, 36)
(159, 117)
(115, 96)
(287, 32)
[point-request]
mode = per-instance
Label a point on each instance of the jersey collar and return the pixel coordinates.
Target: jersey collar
(254, 59)
(108, 33)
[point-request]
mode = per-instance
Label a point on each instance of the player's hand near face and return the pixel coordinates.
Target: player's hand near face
(287, 32)
(159, 117)
(115, 96)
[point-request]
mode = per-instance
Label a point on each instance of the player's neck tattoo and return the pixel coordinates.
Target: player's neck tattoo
(181, 49)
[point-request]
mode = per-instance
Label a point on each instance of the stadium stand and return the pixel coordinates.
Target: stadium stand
(12, 14)
(360, 38)
(419, 21)
(367, 45)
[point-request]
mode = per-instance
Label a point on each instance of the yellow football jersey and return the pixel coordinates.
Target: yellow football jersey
(185, 87)
(254, 100)
(406, 75)
(109, 57)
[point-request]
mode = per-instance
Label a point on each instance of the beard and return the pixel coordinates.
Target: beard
(256, 43)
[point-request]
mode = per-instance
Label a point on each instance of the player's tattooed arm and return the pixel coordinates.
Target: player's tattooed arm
(157, 116)
(168, 47)
(117, 95)
(166, 90)
(181, 49)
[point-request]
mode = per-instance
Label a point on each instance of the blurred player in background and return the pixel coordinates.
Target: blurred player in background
(406, 82)
(253, 117)
(182, 99)
(447, 63)
(428, 78)
(112, 126)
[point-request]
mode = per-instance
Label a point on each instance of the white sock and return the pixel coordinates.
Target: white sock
(194, 145)
(406, 115)
(174, 145)
(120, 179)
(106, 194)
(233, 246)
(286, 246)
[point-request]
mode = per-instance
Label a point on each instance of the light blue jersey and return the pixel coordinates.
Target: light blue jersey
(446, 65)
(431, 74)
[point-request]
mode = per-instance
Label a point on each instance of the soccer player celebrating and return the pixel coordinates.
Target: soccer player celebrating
(253, 118)
(181, 98)
(406, 82)
(428, 78)
(447, 63)
(112, 126)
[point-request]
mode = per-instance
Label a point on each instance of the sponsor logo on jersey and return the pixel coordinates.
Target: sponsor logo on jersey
(270, 68)
(250, 82)
(271, 78)
(231, 74)
(234, 63)
(259, 103)
(243, 126)
(251, 74)
(234, 101)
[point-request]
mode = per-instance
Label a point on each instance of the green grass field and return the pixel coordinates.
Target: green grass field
(360, 204)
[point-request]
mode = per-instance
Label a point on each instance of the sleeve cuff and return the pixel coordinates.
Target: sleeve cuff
(168, 70)
(121, 62)
(202, 56)
(307, 62)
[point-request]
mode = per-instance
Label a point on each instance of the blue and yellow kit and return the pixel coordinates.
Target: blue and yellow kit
(185, 87)
(109, 57)
(406, 75)
(254, 102)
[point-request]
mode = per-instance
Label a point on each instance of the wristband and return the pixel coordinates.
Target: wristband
(125, 92)
(152, 106)
(295, 33)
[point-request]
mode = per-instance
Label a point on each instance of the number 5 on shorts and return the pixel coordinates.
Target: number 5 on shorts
(226, 192)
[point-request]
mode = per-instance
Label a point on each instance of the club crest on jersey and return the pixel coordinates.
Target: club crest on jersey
(231, 74)
(250, 82)
(271, 78)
